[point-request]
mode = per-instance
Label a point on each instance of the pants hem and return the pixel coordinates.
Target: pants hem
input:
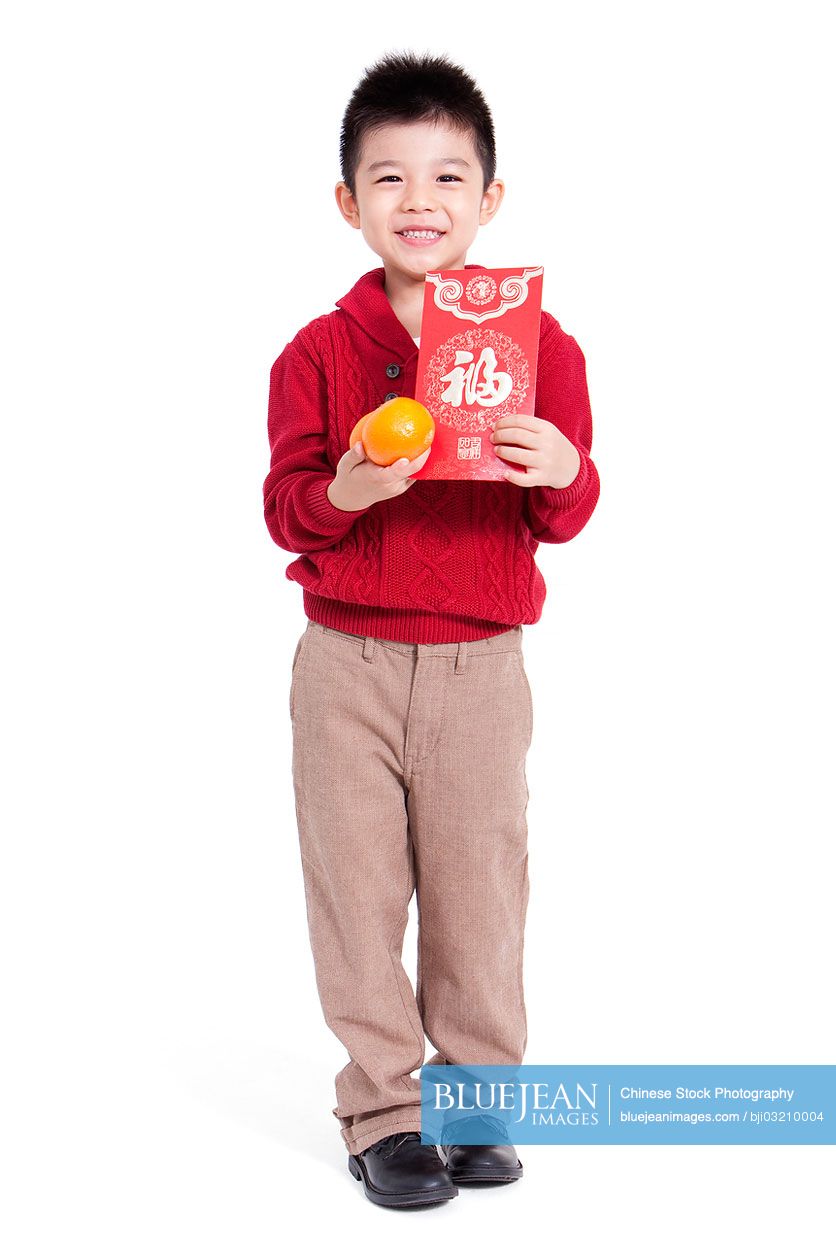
(362, 1136)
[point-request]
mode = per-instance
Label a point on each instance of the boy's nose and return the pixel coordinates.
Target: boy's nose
(419, 198)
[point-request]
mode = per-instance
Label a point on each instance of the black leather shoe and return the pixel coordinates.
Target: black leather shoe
(480, 1163)
(399, 1172)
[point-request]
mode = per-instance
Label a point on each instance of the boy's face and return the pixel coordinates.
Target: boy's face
(419, 176)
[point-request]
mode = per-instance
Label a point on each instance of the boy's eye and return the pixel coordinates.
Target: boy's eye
(387, 177)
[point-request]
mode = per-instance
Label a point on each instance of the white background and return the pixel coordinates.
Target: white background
(169, 223)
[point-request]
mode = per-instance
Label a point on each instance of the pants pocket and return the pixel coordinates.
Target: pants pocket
(521, 665)
(297, 658)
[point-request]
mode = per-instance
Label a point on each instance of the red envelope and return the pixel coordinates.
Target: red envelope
(480, 334)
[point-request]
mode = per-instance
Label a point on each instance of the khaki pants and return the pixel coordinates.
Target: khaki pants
(409, 776)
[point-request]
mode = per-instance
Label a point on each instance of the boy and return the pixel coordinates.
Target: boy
(409, 701)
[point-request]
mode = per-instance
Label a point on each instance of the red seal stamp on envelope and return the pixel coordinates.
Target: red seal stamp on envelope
(480, 334)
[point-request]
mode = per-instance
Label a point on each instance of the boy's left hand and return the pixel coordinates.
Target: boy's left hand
(550, 458)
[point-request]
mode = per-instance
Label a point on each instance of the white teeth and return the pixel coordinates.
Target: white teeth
(422, 235)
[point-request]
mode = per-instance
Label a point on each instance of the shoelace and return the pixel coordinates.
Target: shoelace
(387, 1148)
(466, 1122)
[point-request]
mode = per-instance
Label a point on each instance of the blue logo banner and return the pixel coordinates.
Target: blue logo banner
(716, 1104)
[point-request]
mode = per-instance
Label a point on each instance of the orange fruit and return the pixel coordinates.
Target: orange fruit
(357, 431)
(400, 428)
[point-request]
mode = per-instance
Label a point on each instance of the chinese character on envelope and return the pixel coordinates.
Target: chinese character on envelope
(480, 332)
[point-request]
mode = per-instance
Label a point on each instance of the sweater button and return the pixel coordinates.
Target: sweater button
(391, 396)
(393, 371)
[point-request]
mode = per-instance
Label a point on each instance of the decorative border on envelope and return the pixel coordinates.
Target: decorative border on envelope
(513, 290)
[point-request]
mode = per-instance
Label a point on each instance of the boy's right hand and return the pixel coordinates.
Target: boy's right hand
(359, 482)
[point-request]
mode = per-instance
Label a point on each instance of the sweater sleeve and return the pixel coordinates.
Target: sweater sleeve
(556, 515)
(298, 513)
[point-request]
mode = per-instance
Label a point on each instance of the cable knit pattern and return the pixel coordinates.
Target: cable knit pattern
(447, 560)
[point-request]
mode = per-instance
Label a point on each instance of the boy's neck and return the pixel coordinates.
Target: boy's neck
(406, 296)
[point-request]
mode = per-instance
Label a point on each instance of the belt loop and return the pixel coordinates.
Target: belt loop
(368, 648)
(461, 656)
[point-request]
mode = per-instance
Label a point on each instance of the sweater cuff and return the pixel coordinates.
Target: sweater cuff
(566, 498)
(324, 513)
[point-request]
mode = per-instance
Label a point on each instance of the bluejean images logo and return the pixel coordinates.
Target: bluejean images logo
(713, 1104)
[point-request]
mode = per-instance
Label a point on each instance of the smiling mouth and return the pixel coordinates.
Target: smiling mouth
(420, 235)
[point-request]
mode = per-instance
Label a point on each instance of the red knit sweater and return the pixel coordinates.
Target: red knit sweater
(447, 560)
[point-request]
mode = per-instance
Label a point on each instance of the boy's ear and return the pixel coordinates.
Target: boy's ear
(347, 205)
(491, 201)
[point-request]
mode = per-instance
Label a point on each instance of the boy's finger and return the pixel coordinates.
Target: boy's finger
(404, 464)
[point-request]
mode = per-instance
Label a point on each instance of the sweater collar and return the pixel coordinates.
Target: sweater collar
(368, 304)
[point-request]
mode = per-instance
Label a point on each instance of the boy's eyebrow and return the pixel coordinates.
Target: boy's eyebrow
(446, 161)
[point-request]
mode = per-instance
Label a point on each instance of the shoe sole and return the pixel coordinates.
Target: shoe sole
(411, 1198)
(463, 1176)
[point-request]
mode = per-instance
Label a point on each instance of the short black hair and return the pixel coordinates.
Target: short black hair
(408, 87)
